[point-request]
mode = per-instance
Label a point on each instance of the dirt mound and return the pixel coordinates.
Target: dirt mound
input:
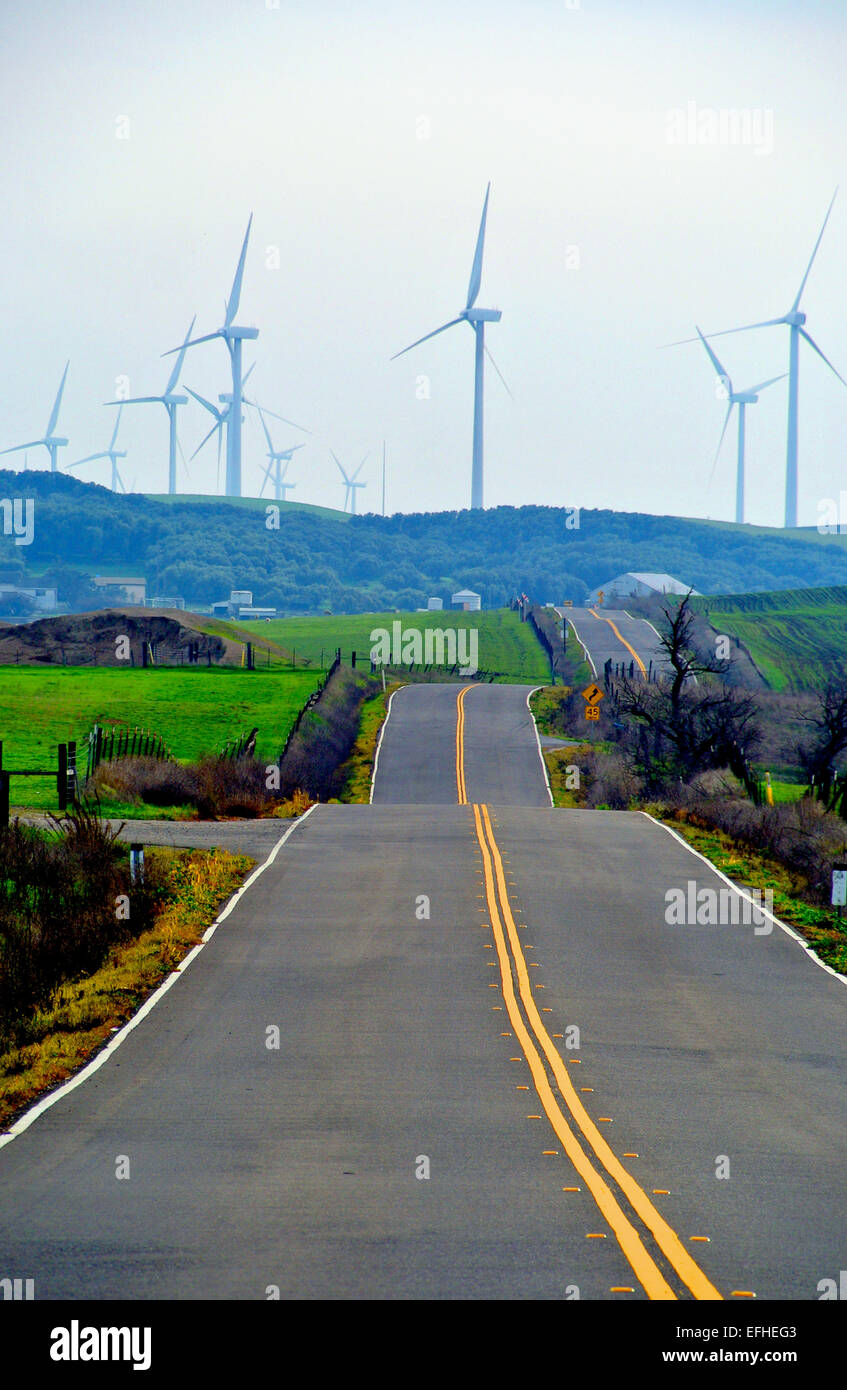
(93, 639)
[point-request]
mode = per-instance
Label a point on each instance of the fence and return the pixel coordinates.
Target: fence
(65, 774)
(131, 743)
(311, 702)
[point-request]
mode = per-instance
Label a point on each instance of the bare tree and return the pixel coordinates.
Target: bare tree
(682, 727)
(819, 753)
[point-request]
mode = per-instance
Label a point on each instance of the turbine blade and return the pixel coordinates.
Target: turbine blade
(358, 470)
(136, 400)
(235, 293)
(117, 426)
(17, 447)
(174, 376)
(207, 338)
(720, 441)
(246, 376)
(273, 413)
(497, 369)
(265, 428)
(267, 470)
(767, 323)
(213, 409)
(90, 459)
(810, 340)
(762, 384)
(814, 253)
(55, 412)
(341, 470)
(426, 336)
(718, 366)
(206, 438)
(476, 268)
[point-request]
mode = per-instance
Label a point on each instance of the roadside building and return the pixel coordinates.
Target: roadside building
(128, 589)
(467, 600)
(637, 584)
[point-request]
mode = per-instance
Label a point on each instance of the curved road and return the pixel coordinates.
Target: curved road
(610, 634)
(448, 1050)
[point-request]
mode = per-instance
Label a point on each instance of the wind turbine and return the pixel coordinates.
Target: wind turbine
(351, 484)
(742, 399)
(222, 418)
(170, 401)
(233, 336)
(795, 320)
(52, 442)
(477, 318)
(279, 457)
(112, 454)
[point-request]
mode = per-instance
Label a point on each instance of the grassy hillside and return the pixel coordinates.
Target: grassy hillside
(318, 560)
(506, 645)
(798, 638)
(195, 709)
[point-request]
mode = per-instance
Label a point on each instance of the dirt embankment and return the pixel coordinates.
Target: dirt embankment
(93, 639)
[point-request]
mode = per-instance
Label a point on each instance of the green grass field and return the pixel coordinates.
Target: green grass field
(196, 711)
(797, 637)
(506, 644)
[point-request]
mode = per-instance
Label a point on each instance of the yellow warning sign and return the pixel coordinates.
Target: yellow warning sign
(593, 694)
(592, 711)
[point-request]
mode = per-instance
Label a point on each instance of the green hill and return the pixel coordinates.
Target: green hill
(316, 560)
(798, 638)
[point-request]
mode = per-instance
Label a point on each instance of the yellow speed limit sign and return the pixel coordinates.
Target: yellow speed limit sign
(592, 711)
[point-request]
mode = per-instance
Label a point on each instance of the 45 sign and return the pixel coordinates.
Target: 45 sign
(592, 695)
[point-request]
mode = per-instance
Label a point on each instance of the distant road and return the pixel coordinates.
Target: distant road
(611, 634)
(453, 1048)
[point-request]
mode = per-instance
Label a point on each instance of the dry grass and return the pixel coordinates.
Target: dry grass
(83, 1013)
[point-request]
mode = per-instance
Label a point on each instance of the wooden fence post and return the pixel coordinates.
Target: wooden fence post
(5, 779)
(62, 777)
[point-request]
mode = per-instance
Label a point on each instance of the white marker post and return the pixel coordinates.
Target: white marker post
(839, 887)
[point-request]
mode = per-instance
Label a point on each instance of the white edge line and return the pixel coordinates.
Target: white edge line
(585, 650)
(29, 1116)
(801, 941)
(379, 741)
(538, 741)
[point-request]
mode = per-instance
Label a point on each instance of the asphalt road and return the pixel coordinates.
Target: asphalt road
(431, 1125)
(611, 634)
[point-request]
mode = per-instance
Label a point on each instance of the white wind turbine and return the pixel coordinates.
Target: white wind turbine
(350, 484)
(112, 454)
(171, 402)
(742, 399)
(795, 320)
(278, 461)
(233, 336)
(477, 318)
(52, 442)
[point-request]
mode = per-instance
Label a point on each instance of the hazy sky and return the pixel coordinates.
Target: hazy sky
(139, 137)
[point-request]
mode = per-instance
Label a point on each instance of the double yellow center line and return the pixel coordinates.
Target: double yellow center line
(460, 745)
(621, 638)
(566, 1112)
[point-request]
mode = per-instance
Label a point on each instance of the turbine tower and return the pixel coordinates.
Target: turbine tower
(477, 318)
(222, 419)
(112, 454)
(742, 399)
(52, 442)
(233, 336)
(795, 320)
(278, 461)
(350, 484)
(170, 401)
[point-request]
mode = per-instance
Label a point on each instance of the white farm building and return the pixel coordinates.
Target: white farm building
(637, 585)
